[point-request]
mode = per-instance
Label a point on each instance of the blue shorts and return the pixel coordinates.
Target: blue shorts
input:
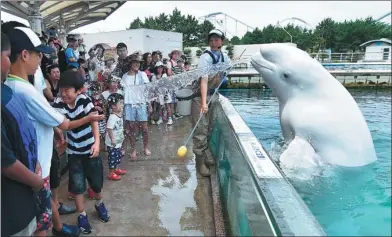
(135, 113)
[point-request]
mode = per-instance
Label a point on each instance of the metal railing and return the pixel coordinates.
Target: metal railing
(360, 57)
(352, 57)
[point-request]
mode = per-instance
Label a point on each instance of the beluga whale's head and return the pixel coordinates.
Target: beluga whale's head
(288, 70)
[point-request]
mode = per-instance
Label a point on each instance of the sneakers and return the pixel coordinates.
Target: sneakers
(152, 121)
(170, 121)
(102, 212)
(177, 116)
(114, 177)
(120, 172)
(159, 120)
(65, 210)
(67, 230)
(84, 225)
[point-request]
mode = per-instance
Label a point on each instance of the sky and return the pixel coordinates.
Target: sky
(253, 13)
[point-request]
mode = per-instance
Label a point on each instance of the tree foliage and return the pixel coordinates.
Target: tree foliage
(338, 36)
(194, 33)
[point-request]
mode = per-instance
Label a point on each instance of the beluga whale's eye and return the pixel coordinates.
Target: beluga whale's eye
(286, 75)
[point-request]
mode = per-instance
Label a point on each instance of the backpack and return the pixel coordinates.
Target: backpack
(62, 62)
(196, 84)
(214, 60)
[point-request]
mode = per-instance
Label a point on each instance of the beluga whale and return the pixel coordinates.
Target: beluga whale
(318, 116)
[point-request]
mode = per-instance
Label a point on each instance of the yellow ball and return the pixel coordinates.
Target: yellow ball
(182, 151)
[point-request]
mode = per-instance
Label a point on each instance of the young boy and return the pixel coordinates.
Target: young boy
(83, 148)
(115, 135)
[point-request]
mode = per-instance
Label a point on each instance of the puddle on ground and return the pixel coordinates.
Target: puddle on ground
(177, 207)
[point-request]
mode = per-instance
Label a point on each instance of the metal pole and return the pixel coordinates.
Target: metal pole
(35, 18)
(291, 37)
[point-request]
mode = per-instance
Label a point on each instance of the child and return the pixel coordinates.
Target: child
(112, 84)
(115, 136)
(177, 69)
(98, 102)
(164, 100)
(135, 114)
(84, 161)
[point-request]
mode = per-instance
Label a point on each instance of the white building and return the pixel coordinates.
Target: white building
(144, 40)
(377, 50)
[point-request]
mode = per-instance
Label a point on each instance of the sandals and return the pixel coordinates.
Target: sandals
(120, 172)
(114, 177)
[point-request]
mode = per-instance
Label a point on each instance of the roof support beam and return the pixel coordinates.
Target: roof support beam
(18, 14)
(66, 9)
(52, 5)
(14, 9)
(92, 20)
(115, 9)
(18, 7)
(84, 13)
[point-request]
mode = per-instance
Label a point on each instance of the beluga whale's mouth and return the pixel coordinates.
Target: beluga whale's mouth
(261, 64)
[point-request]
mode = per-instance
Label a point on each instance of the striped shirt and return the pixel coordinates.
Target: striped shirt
(81, 139)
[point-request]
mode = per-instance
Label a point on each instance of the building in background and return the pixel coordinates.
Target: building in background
(377, 50)
(144, 40)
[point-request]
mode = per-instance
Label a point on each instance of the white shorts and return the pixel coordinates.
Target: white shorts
(165, 99)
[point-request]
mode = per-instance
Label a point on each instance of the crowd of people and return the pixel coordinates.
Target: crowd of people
(48, 89)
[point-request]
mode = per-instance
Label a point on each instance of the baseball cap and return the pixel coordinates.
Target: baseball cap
(23, 38)
(159, 64)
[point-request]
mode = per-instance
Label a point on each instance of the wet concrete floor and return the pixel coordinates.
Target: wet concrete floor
(161, 195)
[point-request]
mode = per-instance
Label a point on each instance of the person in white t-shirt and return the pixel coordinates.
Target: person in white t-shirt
(135, 113)
(115, 136)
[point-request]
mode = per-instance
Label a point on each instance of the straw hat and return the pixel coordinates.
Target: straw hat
(175, 51)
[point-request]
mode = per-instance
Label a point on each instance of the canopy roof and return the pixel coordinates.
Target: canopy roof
(383, 40)
(74, 14)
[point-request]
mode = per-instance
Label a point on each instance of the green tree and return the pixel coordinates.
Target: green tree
(343, 36)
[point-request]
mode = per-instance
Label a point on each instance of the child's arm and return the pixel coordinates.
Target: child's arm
(96, 146)
(111, 135)
(69, 125)
(109, 128)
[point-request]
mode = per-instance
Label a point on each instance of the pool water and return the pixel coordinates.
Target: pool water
(355, 201)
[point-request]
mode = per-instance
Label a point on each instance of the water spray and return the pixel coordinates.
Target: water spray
(183, 150)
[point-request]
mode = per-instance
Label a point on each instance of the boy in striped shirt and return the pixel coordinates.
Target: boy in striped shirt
(84, 161)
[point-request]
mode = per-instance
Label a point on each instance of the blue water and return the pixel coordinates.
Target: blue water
(358, 66)
(354, 201)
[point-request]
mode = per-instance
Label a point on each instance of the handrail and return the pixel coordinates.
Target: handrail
(352, 57)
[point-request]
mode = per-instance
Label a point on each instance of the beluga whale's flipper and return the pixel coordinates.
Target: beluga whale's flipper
(299, 154)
